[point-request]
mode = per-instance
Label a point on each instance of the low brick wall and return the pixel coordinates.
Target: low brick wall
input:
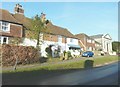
(24, 55)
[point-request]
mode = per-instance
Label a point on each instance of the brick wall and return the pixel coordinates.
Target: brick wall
(86, 44)
(50, 37)
(15, 31)
(63, 40)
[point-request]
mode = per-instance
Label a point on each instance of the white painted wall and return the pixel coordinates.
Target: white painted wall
(29, 42)
(64, 47)
(44, 44)
(104, 41)
(74, 41)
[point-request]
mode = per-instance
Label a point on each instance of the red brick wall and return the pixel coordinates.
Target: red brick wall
(15, 31)
(90, 44)
(54, 38)
(86, 44)
(50, 37)
(63, 40)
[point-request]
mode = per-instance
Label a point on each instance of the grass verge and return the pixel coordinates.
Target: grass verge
(71, 65)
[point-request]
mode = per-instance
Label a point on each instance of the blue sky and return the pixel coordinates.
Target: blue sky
(90, 18)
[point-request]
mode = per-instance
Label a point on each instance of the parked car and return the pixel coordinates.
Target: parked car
(88, 54)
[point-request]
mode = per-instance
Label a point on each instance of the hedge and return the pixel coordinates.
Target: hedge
(23, 54)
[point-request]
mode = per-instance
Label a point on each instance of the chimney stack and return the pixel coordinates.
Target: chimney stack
(18, 9)
(43, 17)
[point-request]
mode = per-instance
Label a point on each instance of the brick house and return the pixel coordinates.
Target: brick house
(61, 37)
(10, 28)
(86, 42)
(18, 25)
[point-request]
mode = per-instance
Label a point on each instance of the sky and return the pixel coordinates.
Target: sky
(90, 18)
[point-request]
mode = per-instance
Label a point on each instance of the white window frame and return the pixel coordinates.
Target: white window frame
(71, 40)
(59, 39)
(8, 27)
(1, 41)
(89, 40)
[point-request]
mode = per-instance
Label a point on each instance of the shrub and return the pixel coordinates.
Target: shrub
(69, 54)
(24, 55)
(49, 52)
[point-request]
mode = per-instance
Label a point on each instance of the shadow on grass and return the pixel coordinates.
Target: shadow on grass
(33, 77)
(43, 59)
(38, 76)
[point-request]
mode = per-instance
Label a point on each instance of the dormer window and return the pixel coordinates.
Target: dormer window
(5, 27)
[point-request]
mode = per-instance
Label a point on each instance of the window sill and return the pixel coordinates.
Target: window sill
(5, 31)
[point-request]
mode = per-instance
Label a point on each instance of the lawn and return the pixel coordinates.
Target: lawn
(81, 64)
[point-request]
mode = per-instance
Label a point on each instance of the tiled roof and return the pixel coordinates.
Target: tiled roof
(19, 18)
(24, 20)
(53, 29)
(82, 35)
(97, 36)
(97, 42)
(59, 30)
(79, 36)
(7, 16)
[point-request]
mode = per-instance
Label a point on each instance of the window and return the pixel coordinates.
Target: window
(88, 40)
(3, 40)
(93, 41)
(71, 40)
(59, 38)
(89, 48)
(5, 26)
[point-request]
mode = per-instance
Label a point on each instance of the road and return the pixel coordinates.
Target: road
(106, 75)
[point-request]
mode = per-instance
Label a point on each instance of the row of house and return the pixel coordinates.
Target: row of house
(16, 25)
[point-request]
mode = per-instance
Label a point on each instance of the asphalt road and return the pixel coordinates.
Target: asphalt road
(106, 75)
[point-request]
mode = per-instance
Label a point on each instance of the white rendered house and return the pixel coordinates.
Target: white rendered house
(105, 40)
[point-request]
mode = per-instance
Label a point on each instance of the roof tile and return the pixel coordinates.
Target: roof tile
(7, 16)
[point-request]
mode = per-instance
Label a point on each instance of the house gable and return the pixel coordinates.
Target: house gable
(85, 41)
(107, 36)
